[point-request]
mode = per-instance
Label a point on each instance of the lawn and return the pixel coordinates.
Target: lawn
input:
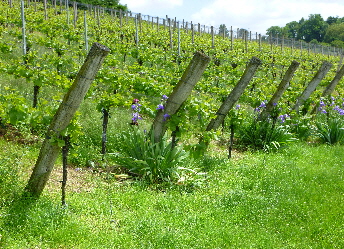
(290, 199)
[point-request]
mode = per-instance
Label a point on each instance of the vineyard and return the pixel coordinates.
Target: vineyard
(167, 95)
(47, 46)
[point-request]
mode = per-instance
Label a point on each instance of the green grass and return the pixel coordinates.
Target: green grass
(290, 199)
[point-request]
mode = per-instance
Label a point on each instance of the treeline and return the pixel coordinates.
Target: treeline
(314, 29)
(111, 4)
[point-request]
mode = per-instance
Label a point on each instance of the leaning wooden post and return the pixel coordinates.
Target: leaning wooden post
(45, 10)
(23, 28)
(85, 32)
(330, 88)
(120, 18)
(170, 33)
(75, 8)
(157, 24)
(67, 11)
(245, 39)
(281, 88)
(340, 61)
(212, 37)
(178, 39)
(232, 38)
(180, 93)
(325, 67)
(192, 33)
(71, 102)
(235, 94)
(136, 31)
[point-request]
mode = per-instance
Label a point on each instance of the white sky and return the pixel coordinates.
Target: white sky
(253, 15)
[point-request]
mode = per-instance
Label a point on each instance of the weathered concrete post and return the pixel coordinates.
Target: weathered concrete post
(330, 88)
(325, 67)
(212, 37)
(180, 93)
(235, 94)
(71, 102)
(281, 88)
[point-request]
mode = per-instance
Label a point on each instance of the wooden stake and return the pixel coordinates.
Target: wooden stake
(180, 93)
(235, 94)
(281, 88)
(325, 67)
(71, 102)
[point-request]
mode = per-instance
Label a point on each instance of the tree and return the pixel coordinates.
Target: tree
(292, 29)
(112, 4)
(242, 33)
(313, 28)
(330, 20)
(275, 31)
(335, 32)
(223, 30)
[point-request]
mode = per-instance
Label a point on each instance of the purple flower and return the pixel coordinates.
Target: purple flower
(237, 107)
(283, 117)
(274, 104)
(322, 104)
(160, 107)
(135, 101)
(136, 117)
(136, 107)
(164, 97)
(166, 116)
(262, 105)
(323, 111)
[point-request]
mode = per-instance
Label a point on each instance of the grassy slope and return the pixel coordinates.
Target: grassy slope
(291, 199)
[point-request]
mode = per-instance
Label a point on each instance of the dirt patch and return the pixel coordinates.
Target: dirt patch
(78, 180)
(13, 134)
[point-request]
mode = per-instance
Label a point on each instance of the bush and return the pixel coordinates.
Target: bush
(330, 129)
(264, 135)
(154, 162)
(330, 121)
(302, 127)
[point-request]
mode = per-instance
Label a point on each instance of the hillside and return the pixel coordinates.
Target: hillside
(281, 187)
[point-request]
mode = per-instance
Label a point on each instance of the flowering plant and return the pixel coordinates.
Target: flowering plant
(330, 120)
(266, 132)
(135, 107)
(154, 162)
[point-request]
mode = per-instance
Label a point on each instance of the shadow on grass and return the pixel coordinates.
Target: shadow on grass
(27, 217)
(17, 213)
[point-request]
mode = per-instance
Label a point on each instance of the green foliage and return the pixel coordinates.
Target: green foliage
(335, 32)
(264, 135)
(154, 162)
(301, 127)
(275, 31)
(313, 28)
(288, 199)
(113, 4)
(292, 29)
(330, 129)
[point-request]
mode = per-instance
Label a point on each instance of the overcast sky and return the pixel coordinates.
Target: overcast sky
(253, 15)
